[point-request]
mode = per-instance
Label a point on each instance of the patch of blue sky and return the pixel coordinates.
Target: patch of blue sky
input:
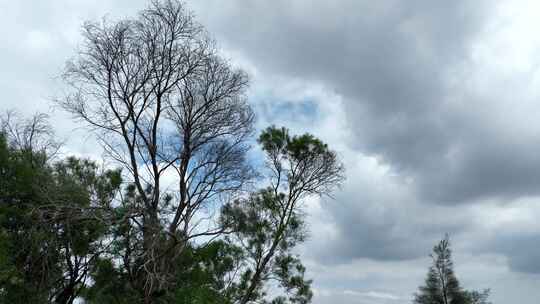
(273, 110)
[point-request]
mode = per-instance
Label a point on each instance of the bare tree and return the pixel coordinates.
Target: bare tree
(30, 134)
(162, 102)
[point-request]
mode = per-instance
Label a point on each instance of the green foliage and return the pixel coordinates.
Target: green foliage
(267, 232)
(290, 271)
(300, 165)
(478, 297)
(269, 223)
(51, 224)
(442, 286)
(27, 264)
(110, 285)
(258, 220)
(202, 276)
(278, 140)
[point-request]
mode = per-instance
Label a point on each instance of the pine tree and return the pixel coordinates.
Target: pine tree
(441, 285)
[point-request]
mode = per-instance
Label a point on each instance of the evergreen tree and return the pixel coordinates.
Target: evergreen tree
(441, 285)
(51, 223)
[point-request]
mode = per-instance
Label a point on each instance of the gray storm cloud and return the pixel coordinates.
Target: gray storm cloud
(407, 76)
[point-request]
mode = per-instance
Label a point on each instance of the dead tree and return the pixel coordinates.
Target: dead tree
(162, 101)
(34, 134)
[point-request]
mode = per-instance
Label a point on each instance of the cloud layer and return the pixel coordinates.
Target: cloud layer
(441, 132)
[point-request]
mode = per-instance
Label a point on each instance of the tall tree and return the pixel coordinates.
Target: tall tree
(441, 285)
(162, 102)
(269, 223)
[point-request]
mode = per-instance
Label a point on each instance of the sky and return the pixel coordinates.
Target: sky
(433, 106)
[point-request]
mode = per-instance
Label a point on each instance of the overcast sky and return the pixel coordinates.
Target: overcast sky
(434, 106)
